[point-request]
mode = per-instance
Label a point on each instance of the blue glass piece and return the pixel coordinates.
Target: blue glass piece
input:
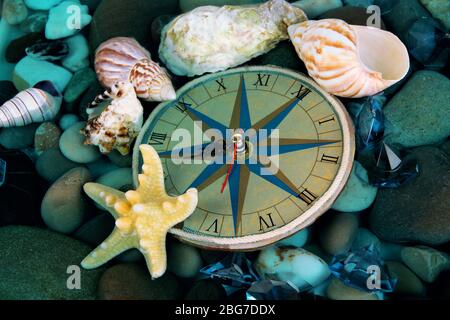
(368, 117)
(272, 290)
(426, 39)
(388, 167)
(363, 269)
(2, 172)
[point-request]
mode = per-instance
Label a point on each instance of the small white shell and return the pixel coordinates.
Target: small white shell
(119, 121)
(211, 39)
(34, 105)
(124, 59)
(350, 61)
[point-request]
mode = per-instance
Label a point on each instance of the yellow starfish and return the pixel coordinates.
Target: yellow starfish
(143, 217)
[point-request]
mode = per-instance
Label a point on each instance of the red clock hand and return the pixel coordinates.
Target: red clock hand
(224, 184)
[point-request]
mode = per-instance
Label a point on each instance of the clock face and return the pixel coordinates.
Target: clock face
(267, 149)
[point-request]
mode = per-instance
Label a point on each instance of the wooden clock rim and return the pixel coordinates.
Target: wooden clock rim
(255, 242)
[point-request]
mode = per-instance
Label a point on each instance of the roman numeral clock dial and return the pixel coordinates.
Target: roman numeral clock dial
(268, 150)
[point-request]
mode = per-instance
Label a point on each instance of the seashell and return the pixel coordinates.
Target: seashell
(347, 60)
(38, 104)
(115, 119)
(211, 39)
(124, 59)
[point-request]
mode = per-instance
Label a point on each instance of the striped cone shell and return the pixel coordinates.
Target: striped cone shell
(124, 59)
(29, 106)
(350, 61)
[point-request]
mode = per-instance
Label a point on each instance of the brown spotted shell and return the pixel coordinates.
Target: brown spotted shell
(124, 59)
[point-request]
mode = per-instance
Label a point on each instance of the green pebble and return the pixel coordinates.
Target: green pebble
(119, 160)
(183, 260)
(426, 262)
(130, 281)
(440, 9)
(67, 121)
(100, 167)
(63, 207)
(52, 164)
(78, 57)
(337, 232)
(96, 230)
(29, 72)
(80, 82)
(284, 56)
(73, 148)
(297, 240)
(14, 11)
(120, 179)
(46, 137)
(365, 238)
(419, 114)
(358, 194)
(206, 290)
(35, 262)
(407, 282)
(18, 137)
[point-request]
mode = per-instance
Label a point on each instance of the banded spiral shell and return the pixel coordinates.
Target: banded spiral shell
(38, 104)
(350, 61)
(124, 59)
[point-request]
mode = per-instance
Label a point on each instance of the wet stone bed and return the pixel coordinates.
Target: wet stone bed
(394, 212)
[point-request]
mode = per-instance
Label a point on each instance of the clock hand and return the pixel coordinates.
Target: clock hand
(241, 114)
(229, 168)
(286, 145)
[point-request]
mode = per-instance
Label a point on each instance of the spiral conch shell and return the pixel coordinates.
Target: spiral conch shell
(124, 59)
(347, 60)
(119, 120)
(38, 104)
(211, 39)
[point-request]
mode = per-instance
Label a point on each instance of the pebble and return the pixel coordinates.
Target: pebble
(407, 282)
(21, 193)
(80, 82)
(18, 137)
(73, 148)
(29, 72)
(63, 207)
(297, 240)
(67, 121)
(440, 9)
(129, 281)
(353, 15)
(391, 251)
(314, 8)
(402, 15)
(35, 262)
(100, 167)
(426, 262)
(61, 22)
(206, 290)
(46, 137)
(337, 232)
(7, 91)
(52, 164)
(35, 23)
(302, 268)
(283, 55)
(365, 238)
(14, 11)
(358, 194)
(132, 18)
(16, 48)
(183, 260)
(417, 212)
(119, 160)
(188, 5)
(78, 57)
(96, 230)
(406, 122)
(119, 179)
(42, 4)
(339, 291)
